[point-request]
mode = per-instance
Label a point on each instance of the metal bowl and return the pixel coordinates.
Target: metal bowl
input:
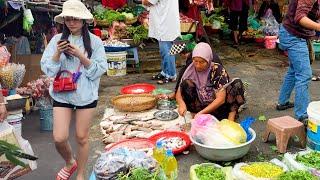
(166, 115)
(222, 153)
(16, 104)
(166, 104)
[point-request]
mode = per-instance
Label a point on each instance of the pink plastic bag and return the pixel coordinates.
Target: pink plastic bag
(4, 56)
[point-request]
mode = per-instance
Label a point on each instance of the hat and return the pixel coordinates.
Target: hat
(74, 8)
(183, 43)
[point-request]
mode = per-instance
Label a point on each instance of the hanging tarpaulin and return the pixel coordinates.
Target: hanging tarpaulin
(27, 20)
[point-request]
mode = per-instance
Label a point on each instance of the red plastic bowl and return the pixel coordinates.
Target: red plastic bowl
(169, 134)
(136, 143)
(142, 88)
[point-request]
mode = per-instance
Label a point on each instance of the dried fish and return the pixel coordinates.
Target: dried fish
(127, 130)
(144, 129)
(114, 137)
(133, 134)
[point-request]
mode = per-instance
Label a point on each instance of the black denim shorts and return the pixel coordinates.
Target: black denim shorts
(71, 106)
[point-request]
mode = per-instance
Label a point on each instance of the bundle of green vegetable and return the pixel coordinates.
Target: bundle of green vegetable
(109, 15)
(140, 174)
(262, 170)
(204, 172)
(311, 159)
(138, 33)
(297, 175)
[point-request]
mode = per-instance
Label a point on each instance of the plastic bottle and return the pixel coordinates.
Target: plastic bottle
(159, 153)
(170, 165)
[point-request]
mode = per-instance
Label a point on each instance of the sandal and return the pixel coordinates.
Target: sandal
(65, 174)
(157, 77)
(281, 107)
(166, 80)
(316, 78)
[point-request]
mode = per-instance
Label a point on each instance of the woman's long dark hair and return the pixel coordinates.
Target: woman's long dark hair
(85, 36)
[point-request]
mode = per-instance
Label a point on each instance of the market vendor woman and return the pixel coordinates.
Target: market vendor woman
(81, 53)
(205, 87)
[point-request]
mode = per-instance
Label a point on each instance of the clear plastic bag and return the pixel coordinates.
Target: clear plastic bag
(271, 25)
(205, 130)
(233, 131)
(290, 161)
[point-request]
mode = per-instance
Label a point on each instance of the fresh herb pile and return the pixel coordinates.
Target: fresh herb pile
(138, 33)
(262, 170)
(209, 172)
(297, 175)
(139, 174)
(311, 159)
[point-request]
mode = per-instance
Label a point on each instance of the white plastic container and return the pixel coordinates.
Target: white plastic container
(15, 121)
(313, 131)
(117, 63)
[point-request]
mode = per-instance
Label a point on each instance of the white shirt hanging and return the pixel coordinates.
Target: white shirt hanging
(164, 20)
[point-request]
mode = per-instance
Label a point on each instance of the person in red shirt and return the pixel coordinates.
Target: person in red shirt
(114, 4)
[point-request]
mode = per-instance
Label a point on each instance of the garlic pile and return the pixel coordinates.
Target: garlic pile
(12, 75)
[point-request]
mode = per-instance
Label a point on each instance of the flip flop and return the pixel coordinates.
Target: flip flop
(65, 174)
(316, 78)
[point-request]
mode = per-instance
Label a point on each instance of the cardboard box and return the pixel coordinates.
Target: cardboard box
(32, 64)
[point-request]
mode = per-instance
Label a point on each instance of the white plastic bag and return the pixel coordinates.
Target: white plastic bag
(238, 174)
(290, 160)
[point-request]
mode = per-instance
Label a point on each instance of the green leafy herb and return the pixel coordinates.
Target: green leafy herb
(109, 15)
(274, 148)
(261, 157)
(13, 152)
(209, 172)
(262, 118)
(139, 174)
(311, 159)
(138, 33)
(297, 175)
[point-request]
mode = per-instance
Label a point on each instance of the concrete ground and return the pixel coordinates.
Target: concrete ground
(262, 69)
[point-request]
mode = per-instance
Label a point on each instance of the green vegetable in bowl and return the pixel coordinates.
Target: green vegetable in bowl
(311, 159)
(204, 172)
(297, 175)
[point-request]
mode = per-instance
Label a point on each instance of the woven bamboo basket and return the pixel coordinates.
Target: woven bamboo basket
(188, 27)
(102, 23)
(134, 102)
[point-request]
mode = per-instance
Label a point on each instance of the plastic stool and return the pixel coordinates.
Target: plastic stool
(284, 128)
(135, 58)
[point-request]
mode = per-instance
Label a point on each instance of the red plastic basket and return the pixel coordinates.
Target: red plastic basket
(142, 88)
(136, 143)
(169, 134)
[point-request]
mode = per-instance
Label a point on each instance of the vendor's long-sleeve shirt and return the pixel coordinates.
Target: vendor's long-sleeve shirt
(88, 83)
(296, 11)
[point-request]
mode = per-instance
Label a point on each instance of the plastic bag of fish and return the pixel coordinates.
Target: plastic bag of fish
(111, 163)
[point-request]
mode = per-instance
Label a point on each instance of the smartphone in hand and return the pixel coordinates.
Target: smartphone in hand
(64, 40)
